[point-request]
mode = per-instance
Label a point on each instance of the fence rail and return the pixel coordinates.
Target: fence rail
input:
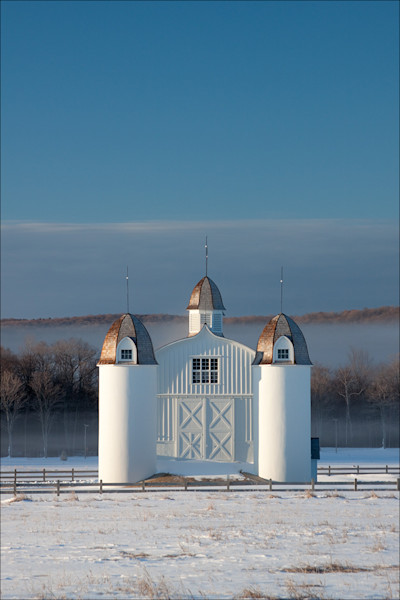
(251, 483)
(85, 474)
(58, 487)
(359, 470)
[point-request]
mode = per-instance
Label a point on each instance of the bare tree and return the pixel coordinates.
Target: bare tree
(351, 381)
(321, 392)
(75, 372)
(13, 399)
(47, 396)
(383, 392)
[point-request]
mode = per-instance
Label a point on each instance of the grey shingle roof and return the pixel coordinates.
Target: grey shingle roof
(128, 326)
(206, 296)
(278, 326)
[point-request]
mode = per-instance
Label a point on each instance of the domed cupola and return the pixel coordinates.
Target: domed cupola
(282, 342)
(205, 307)
(127, 342)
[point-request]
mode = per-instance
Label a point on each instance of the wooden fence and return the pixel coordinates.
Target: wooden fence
(82, 475)
(60, 481)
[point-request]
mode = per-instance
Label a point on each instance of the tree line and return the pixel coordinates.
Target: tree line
(49, 389)
(356, 404)
(49, 400)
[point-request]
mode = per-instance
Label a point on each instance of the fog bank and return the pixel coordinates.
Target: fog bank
(328, 344)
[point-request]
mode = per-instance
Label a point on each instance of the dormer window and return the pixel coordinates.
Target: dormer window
(127, 351)
(283, 350)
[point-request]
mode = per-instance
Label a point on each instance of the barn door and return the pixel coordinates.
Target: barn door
(220, 429)
(191, 429)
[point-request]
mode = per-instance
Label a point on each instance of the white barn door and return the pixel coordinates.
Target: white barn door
(220, 429)
(206, 429)
(190, 429)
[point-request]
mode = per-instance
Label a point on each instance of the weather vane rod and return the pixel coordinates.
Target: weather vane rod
(281, 289)
(206, 247)
(127, 290)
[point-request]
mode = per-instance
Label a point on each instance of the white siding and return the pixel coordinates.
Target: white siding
(175, 370)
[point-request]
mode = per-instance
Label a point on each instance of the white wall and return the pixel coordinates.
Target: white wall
(174, 375)
(127, 422)
(282, 393)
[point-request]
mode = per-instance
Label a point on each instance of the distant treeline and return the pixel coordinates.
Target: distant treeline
(383, 314)
(49, 401)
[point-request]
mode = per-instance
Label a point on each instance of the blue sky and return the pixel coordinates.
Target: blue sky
(207, 113)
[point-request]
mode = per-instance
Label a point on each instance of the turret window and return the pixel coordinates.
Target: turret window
(204, 370)
(283, 351)
(126, 354)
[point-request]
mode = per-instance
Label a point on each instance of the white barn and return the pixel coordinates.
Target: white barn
(205, 397)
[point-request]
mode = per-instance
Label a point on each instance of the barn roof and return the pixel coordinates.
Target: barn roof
(277, 327)
(128, 326)
(206, 296)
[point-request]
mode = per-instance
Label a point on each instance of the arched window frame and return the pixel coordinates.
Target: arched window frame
(126, 346)
(283, 346)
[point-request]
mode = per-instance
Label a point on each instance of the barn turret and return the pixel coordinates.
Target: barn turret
(205, 307)
(127, 403)
(281, 384)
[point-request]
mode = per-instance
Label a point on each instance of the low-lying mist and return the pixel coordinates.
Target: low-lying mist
(328, 344)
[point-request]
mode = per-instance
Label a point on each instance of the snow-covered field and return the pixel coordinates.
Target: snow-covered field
(203, 544)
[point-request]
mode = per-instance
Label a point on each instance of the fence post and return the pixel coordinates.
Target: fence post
(101, 486)
(44, 474)
(143, 486)
(270, 485)
(15, 488)
(312, 484)
(185, 485)
(228, 484)
(329, 469)
(398, 484)
(358, 469)
(355, 484)
(15, 477)
(387, 469)
(72, 473)
(58, 487)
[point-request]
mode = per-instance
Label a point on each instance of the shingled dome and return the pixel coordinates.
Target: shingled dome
(206, 296)
(279, 326)
(128, 326)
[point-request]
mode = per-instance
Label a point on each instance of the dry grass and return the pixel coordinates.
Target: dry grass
(72, 497)
(136, 555)
(308, 494)
(304, 591)
(253, 592)
(335, 568)
(334, 494)
(17, 498)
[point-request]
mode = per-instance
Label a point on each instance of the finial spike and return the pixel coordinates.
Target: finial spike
(206, 247)
(127, 290)
(281, 289)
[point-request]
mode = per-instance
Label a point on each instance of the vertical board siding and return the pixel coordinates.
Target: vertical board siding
(234, 366)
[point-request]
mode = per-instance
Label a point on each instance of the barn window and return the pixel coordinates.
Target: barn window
(204, 370)
(283, 353)
(126, 354)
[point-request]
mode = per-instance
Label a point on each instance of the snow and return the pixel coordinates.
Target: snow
(202, 544)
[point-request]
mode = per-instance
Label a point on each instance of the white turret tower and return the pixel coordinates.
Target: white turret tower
(281, 382)
(205, 307)
(127, 403)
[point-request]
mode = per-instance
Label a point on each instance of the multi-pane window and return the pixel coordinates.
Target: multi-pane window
(204, 370)
(283, 353)
(126, 354)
